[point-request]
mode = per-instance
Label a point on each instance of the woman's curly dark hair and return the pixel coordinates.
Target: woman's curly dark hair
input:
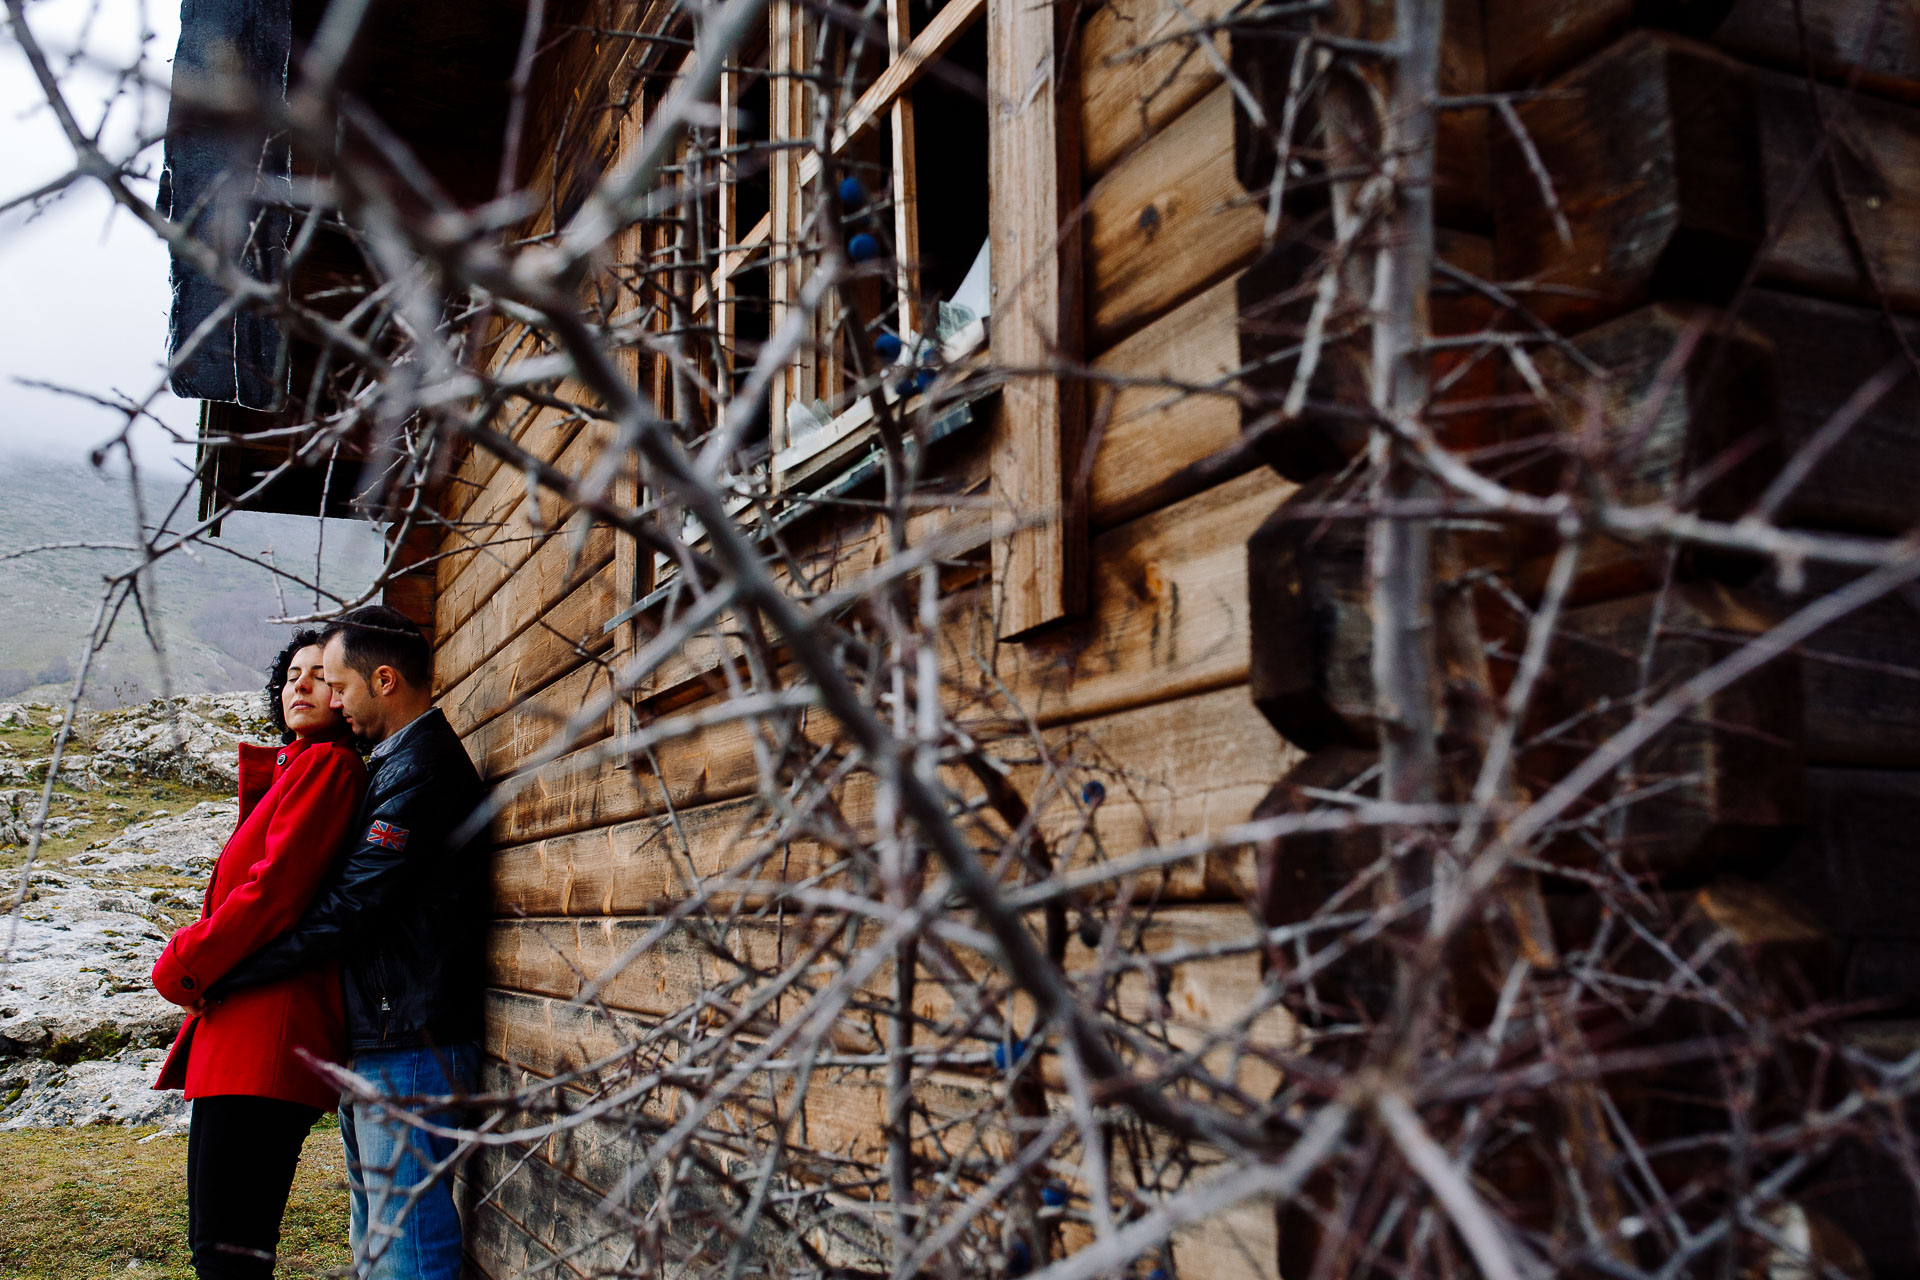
(277, 677)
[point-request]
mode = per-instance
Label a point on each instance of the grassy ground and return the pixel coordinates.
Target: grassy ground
(84, 1204)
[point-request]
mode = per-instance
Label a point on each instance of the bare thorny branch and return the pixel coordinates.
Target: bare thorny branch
(903, 1003)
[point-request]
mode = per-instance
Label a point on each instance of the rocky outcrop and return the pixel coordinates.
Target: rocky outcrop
(190, 740)
(81, 1028)
(36, 1092)
(83, 945)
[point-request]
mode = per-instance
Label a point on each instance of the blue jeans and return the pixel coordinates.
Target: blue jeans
(387, 1158)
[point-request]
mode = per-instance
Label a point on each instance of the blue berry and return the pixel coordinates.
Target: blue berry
(1019, 1259)
(888, 346)
(853, 192)
(1053, 1195)
(1159, 1273)
(863, 248)
(924, 379)
(1093, 793)
(1004, 1054)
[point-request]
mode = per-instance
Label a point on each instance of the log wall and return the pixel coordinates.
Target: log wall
(1149, 690)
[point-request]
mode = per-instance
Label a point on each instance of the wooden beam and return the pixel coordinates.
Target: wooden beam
(1870, 480)
(785, 53)
(1529, 40)
(1856, 873)
(1872, 166)
(535, 585)
(902, 73)
(1718, 417)
(1860, 676)
(560, 639)
(1166, 223)
(1168, 619)
(1721, 788)
(1141, 67)
(495, 544)
(906, 176)
(1169, 771)
(1144, 433)
(1034, 234)
(1653, 152)
(1210, 990)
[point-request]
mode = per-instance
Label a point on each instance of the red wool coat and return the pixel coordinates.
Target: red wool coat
(297, 804)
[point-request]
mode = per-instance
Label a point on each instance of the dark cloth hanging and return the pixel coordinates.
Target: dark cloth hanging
(229, 185)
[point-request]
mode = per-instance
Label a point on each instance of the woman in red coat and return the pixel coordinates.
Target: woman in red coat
(239, 1058)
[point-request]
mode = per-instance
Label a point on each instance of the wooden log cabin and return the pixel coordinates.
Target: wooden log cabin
(1733, 179)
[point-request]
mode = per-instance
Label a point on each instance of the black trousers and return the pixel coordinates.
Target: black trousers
(241, 1153)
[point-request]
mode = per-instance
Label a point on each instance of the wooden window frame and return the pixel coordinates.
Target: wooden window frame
(1034, 158)
(1033, 234)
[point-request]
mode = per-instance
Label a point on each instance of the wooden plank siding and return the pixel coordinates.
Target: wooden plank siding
(839, 1119)
(1145, 693)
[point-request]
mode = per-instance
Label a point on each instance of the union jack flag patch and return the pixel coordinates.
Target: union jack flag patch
(387, 836)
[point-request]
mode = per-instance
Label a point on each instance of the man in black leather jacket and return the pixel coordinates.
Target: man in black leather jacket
(404, 914)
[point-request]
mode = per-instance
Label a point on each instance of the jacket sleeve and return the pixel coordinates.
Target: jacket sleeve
(382, 858)
(303, 834)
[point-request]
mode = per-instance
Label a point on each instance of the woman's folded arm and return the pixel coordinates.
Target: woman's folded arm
(303, 836)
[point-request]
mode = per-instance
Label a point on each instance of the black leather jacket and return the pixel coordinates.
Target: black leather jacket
(404, 910)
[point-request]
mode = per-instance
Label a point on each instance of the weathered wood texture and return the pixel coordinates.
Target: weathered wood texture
(412, 588)
(1722, 786)
(1856, 870)
(1170, 771)
(1702, 435)
(1142, 64)
(1824, 352)
(1863, 198)
(1652, 148)
(1860, 676)
(561, 589)
(481, 554)
(1167, 620)
(1170, 402)
(1331, 873)
(840, 1117)
(1695, 164)
(1200, 393)
(1168, 221)
(1033, 175)
(1192, 1004)
(1183, 203)
(1529, 40)
(559, 639)
(1311, 672)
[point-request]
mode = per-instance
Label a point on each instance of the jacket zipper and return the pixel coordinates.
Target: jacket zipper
(386, 1005)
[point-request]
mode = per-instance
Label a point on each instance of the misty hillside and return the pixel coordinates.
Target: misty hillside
(213, 608)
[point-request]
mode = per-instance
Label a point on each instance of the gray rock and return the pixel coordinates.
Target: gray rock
(182, 844)
(82, 1032)
(190, 739)
(76, 980)
(115, 1090)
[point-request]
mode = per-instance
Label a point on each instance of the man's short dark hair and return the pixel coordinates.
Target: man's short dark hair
(377, 636)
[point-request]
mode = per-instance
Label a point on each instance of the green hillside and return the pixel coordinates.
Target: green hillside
(212, 608)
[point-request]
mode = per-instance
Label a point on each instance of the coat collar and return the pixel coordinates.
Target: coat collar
(260, 766)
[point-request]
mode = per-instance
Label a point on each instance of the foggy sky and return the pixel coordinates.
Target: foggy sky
(84, 285)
